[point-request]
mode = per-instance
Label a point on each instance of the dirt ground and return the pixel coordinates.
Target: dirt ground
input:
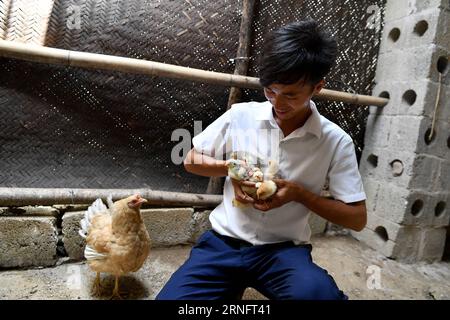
(358, 270)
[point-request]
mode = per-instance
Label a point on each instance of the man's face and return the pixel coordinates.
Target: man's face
(289, 100)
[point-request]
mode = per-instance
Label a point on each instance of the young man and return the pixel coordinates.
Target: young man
(266, 244)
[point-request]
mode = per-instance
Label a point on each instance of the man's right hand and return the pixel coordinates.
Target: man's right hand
(240, 195)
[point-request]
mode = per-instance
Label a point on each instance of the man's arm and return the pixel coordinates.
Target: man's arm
(207, 166)
(349, 215)
(204, 165)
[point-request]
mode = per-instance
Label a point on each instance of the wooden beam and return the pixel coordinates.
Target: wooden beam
(47, 196)
(241, 67)
(243, 52)
(34, 53)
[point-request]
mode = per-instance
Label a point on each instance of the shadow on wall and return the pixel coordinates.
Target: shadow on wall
(446, 255)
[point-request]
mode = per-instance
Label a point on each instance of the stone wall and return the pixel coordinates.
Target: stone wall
(45, 236)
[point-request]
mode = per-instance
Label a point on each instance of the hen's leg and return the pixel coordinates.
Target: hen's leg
(97, 285)
(116, 289)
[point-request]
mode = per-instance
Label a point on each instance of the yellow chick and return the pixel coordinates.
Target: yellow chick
(265, 189)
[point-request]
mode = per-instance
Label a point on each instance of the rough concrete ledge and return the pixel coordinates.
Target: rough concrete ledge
(166, 227)
(36, 211)
(73, 242)
(28, 241)
(199, 224)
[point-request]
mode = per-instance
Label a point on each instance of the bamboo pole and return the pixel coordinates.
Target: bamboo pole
(243, 51)
(241, 67)
(48, 196)
(15, 50)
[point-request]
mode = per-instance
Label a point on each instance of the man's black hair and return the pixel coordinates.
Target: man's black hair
(297, 51)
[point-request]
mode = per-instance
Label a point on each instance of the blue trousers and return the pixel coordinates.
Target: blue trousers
(221, 267)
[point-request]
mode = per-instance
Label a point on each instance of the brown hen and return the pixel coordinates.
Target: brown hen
(117, 241)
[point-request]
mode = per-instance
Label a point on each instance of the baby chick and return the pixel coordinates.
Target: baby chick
(238, 169)
(265, 189)
(257, 176)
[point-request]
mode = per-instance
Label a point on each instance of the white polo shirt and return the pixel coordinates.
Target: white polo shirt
(313, 153)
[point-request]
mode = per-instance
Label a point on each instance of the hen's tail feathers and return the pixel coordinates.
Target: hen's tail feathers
(91, 254)
(97, 207)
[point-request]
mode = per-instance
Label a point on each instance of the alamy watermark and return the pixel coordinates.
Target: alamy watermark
(374, 20)
(257, 144)
(374, 277)
(73, 17)
(73, 281)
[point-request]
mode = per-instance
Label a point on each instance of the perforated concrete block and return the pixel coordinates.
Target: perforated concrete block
(440, 208)
(375, 241)
(416, 244)
(388, 166)
(412, 98)
(388, 66)
(444, 99)
(443, 183)
(425, 172)
(372, 188)
(392, 204)
(413, 238)
(399, 169)
(386, 89)
(411, 134)
(404, 163)
(437, 145)
(397, 9)
(443, 29)
(393, 229)
(406, 207)
(393, 36)
(422, 28)
(437, 66)
(432, 244)
(391, 239)
(397, 242)
(416, 98)
(408, 64)
(378, 129)
(369, 161)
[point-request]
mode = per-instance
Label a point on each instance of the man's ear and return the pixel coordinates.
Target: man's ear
(318, 87)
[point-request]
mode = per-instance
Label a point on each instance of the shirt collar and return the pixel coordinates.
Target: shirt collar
(312, 125)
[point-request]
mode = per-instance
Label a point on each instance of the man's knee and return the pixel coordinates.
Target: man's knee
(321, 286)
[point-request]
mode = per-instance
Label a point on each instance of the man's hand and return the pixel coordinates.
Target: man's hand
(239, 194)
(286, 192)
(349, 215)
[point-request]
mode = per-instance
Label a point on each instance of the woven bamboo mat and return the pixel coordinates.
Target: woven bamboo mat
(69, 127)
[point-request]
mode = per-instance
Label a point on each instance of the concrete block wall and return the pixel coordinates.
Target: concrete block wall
(45, 236)
(406, 175)
(166, 227)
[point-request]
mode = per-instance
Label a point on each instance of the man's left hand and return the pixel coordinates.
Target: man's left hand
(286, 192)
